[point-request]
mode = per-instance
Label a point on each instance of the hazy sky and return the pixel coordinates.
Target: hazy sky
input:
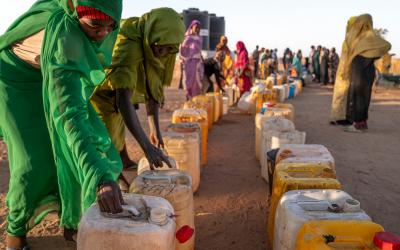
(273, 24)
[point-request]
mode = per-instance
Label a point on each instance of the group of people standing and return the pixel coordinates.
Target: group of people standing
(223, 65)
(323, 64)
(72, 74)
(265, 62)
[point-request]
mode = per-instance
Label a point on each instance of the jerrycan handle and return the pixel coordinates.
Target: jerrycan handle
(158, 178)
(350, 241)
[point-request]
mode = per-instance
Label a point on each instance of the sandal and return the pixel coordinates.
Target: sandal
(352, 129)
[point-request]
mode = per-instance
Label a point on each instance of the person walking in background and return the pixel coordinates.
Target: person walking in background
(356, 73)
(263, 64)
(297, 64)
(316, 64)
(274, 57)
(311, 61)
(190, 54)
(242, 67)
(226, 55)
(287, 59)
(333, 65)
(324, 60)
(256, 57)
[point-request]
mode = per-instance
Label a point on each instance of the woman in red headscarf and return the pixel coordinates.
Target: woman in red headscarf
(243, 71)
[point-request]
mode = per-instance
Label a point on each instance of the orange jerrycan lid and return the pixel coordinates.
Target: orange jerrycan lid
(387, 241)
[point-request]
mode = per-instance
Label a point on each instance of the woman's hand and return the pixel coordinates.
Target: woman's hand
(109, 198)
(156, 157)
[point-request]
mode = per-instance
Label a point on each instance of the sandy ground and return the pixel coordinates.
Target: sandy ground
(231, 204)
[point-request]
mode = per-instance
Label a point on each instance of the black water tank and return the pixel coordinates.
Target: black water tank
(217, 29)
(195, 14)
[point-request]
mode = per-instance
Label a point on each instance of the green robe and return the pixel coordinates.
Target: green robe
(33, 190)
(72, 68)
(135, 67)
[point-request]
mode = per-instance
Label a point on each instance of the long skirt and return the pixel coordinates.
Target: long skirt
(33, 188)
(359, 97)
(194, 70)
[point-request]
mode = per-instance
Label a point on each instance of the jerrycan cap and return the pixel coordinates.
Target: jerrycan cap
(351, 206)
(158, 216)
(387, 241)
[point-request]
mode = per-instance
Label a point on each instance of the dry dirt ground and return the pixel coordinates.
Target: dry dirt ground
(231, 204)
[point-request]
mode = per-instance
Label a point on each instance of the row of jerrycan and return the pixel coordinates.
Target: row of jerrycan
(159, 213)
(307, 208)
(309, 211)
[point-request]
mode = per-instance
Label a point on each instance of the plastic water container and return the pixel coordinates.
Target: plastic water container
(270, 96)
(188, 128)
(210, 107)
(185, 150)
(144, 165)
(307, 79)
(279, 124)
(145, 224)
(226, 105)
(237, 93)
(274, 139)
(281, 93)
(199, 116)
(200, 105)
(274, 111)
(299, 86)
(217, 105)
(230, 93)
(176, 187)
(279, 79)
(298, 207)
(292, 91)
(338, 234)
(307, 153)
(301, 176)
(287, 90)
(286, 106)
(246, 103)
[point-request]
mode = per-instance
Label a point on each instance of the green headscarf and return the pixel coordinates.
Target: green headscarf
(134, 65)
(72, 66)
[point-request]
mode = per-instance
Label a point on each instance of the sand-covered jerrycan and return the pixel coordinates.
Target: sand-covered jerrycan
(184, 149)
(338, 234)
(299, 86)
(276, 111)
(246, 102)
(297, 207)
(225, 109)
(201, 105)
(307, 153)
(273, 139)
(286, 106)
(188, 128)
(144, 165)
(264, 122)
(217, 105)
(176, 187)
(301, 176)
(230, 93)
(205, 102)
(146, 223)
(269, 96)
(199, 116)
(281, 91)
